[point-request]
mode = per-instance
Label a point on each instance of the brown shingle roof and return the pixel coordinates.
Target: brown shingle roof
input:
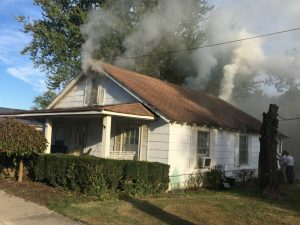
(183, 105)
(130, 108)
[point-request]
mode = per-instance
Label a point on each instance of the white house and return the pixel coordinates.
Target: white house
(116, 113)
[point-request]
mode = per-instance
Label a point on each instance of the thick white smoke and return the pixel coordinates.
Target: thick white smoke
(276, 57)
(246, 60)
(161, 29)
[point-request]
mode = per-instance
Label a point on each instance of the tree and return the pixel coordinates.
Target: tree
(42, 101)
(267, 165)
(57, 39)
(19, 141)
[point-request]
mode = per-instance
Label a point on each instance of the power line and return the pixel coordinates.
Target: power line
(208, 46)
(286, 119)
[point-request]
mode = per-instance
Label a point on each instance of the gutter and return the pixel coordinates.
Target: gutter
(102, 112)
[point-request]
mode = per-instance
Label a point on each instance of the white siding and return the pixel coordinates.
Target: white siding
(227, 151)
(255, 148)
(78, 95)
(115, 95)
(180, 143)
(179, 154)
(224, 146)
(158, 146)
(75, 97)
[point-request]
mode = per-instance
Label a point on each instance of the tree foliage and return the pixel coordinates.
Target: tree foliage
(17, 138)
(18, 141)
(56, 39)
(42, 101)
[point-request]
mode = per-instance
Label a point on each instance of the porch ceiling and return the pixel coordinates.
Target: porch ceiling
(132, 110)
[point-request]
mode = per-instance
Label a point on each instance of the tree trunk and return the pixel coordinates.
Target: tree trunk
(267, 165)
(21, 171)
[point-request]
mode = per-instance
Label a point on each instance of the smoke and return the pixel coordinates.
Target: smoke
(276, 57)
(158, 29)
(155, 28)
(99, 25)
(246, 60)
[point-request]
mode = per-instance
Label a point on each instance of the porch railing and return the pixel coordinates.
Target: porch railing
(124, 155)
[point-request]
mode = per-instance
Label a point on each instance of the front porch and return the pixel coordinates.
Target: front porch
(114, 131)
(101, 136)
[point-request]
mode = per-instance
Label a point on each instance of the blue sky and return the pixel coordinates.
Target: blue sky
(19, 81)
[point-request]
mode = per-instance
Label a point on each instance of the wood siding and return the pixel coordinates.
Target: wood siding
(114, 94)
(180, 145)
(108, 93)
(158, 147)
(75, 97)
(227, 151)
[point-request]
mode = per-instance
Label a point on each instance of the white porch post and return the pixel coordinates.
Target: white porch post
(106, 130)
(48, 135)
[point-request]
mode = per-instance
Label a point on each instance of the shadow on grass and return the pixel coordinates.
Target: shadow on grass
(156, 212)
(289, 198)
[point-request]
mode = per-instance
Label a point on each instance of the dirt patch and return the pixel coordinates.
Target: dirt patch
(32, 191)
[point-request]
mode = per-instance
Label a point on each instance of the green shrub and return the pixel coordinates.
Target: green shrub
(19, 139)
(212, 179)
(96, 176)
(19, 142)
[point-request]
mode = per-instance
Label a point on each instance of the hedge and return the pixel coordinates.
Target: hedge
(95, 176)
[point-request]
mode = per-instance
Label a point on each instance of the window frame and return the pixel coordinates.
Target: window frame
(206, 154)
(244, 149)
(123, 138)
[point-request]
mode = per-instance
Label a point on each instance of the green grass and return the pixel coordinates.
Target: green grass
(238, 206)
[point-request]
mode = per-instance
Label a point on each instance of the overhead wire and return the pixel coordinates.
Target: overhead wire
(210, 45)
(287, 119)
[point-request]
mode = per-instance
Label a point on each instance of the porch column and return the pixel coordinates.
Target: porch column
(106, 130)
(48, 135)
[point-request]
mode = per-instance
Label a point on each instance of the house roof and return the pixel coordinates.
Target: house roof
(136, 109)
(5, 110)
(182, 105)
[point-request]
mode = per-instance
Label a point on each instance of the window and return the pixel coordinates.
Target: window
(243, 150)
(128, 143)
(202, 144)
(131, 136)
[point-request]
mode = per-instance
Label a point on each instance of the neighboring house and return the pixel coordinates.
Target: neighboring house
(122, 114)
(7, 110)
(29, 122)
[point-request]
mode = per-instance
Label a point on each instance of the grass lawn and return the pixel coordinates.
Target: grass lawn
(238, 206)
